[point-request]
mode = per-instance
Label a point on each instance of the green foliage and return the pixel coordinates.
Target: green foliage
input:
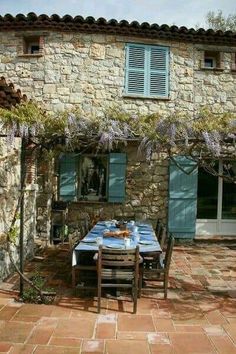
(31, 295)
(207, 121)
(13, 234)
(217, 21)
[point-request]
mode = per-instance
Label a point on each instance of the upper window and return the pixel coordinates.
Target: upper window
(32, 45)
(147, 71)
(212, 60)
(92, 177)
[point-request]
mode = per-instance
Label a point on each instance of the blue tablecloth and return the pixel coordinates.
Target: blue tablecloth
(147, 240)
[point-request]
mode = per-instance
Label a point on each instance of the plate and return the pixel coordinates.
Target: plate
(115, 245)
(144, 232)
(88, 240)
(144, 242)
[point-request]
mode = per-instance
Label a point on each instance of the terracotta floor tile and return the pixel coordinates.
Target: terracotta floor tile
(126, 347)
(62, 312)
(76, 314)
(231, 320)
(147, 306)
(231, 330)
(161, 313)
(223, 344)
(158, 338)
(192, 320)
(75, 328)
(41, 334)
(215, 317)
(4, 347)
(106, 326)
(93, 347)
(35, 310)
(215, 330)
(161, 349)
(21, 318)
(5, 301)
(56, 350)
(15, 332)
(67, 342)
(132, 335)
(105, 331)
(8, 312)
(188, 328)
(199, 313)
(191, 343)
(22, 349)
(163, 324)
(135, 323)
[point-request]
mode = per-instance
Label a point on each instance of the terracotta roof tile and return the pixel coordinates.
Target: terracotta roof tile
(8, 95)
(90, 25)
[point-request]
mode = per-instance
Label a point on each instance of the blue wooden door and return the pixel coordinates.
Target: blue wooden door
(182, 198)
(68, 177)
(117, 177)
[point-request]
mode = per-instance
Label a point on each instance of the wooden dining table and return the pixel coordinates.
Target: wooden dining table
(140, 233)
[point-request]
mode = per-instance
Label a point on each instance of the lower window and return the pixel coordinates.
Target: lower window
(217, 197)
(93, 178)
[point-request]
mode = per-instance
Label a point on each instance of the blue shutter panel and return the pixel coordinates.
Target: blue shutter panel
(135, 69)
(182, 198)
(68, 176)
(159, 68)
(117, 177)
(147, 70)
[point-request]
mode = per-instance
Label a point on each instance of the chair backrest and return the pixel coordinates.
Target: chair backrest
(169, 250)
(125, 258)
(162, 237)
(158, 228)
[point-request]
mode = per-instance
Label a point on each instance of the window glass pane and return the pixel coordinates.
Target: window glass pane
(209, 63)
(229, 192)
(93, 181)
(207, 195)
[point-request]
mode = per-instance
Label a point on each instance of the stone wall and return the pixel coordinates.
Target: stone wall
(88, 70)
(9, 193)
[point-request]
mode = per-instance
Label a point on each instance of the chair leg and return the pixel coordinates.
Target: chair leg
(165, 286)
(99, 295)
(135, 293)
(73, 277)
(140, 283)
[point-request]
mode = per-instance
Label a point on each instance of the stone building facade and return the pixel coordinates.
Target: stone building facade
(82, 62)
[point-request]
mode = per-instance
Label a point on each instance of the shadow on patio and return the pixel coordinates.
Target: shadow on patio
(199, 315)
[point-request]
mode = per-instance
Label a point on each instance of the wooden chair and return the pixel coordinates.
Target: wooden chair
(84, 272)
(159, 273)
(118, 269)
(151, 260)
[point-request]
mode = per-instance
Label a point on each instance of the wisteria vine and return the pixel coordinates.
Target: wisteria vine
(205, 137)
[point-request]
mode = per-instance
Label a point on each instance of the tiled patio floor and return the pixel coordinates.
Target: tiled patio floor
(198, 317)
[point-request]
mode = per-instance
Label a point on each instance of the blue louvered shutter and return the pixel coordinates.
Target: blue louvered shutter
(117, 177)
(68, 176)
(159, 68)
(147, 70)
(182, 198)
(135, 69)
